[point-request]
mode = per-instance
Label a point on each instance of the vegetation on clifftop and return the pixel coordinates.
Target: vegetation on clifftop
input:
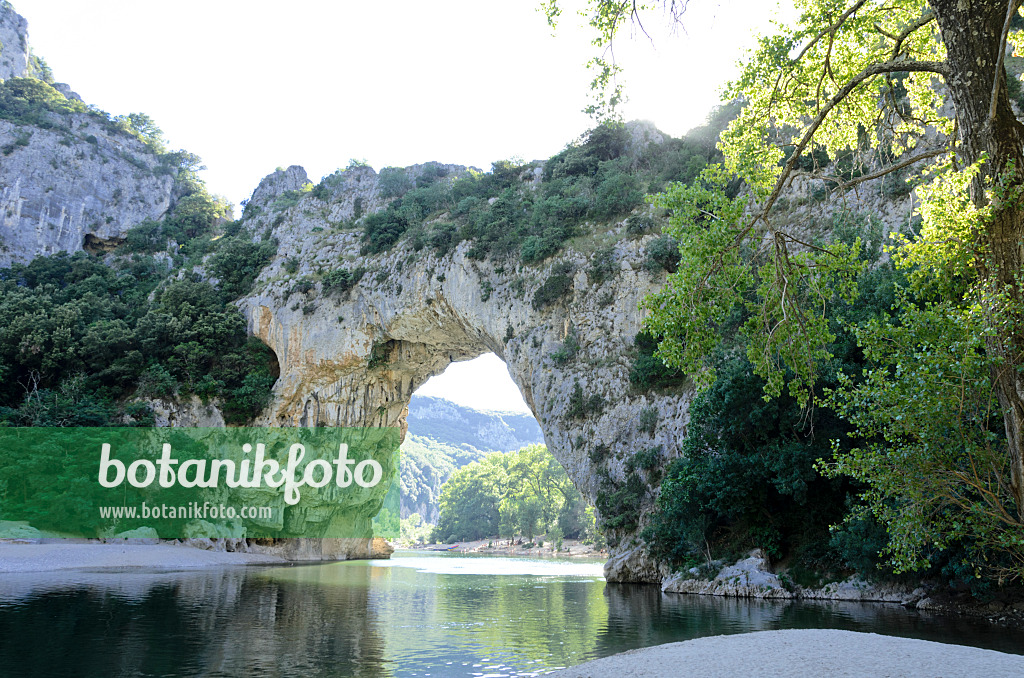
(518, 210)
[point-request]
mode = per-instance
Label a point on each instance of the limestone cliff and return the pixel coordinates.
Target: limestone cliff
(353, 355)
(64, 192)
(14, 53)
(68, 180)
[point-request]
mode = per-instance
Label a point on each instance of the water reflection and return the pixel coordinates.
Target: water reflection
(442, 615)
(214, 623)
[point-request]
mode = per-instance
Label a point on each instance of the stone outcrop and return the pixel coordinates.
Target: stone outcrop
(191, 411)
(14, 52)
(751, 577)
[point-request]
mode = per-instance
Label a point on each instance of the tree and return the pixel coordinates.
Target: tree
(146, 129)
(871, 80)
(508, 493)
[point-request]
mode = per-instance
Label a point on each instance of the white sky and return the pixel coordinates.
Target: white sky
(250, 85)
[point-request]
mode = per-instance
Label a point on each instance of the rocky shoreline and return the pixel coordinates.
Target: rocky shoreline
(752, 577)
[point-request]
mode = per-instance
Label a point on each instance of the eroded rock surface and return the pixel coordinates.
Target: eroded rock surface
(58, 195)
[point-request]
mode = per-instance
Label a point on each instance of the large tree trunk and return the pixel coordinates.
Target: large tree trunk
(971, 31)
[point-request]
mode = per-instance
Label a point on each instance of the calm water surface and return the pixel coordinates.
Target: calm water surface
(415, 615)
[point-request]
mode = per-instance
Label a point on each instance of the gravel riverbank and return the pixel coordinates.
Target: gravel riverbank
(16, 557)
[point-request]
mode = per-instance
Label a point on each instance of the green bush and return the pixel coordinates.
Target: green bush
(237, 262)
(341, 280)
(383, 229)
(602, 265)
(568, 351)
(650, 372)
(557, 285)
(662, 255)
(620, 504)
(97, 335)
(648, 420)
(392, 182)
(29, 101)
(619, 193)
(581, 405)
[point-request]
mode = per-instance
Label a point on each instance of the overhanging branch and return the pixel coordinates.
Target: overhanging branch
(845, 184)
(892, 66)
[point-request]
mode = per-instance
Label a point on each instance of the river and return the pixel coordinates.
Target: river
(418, 614)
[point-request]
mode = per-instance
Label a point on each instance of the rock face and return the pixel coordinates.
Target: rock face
(14, 53)
(753, 577)
(186, 412)
(63, 191)
(355, 358)
(78, 184)
(456, 425)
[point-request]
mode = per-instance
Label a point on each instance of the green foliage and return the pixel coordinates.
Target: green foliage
(383, 229)
(715, 276)
(582, 406)
(936, 467)
(746, 477)
(602, 265)
(507, 493)
(648, 421)
(662, 255)
(557, 285)
(341, 280)
(620, 504)
(649, 371)
(392, 182)
(414, 530)
(380, 354)
(237, 262)
(617, 194)
(505, 214)
(28, 101)
(80, 337)
(568, 351)
(190, 224)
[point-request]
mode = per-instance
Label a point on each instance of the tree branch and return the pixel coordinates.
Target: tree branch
(871, 71)
(926, 18)
(843, 184)
(1011, 9)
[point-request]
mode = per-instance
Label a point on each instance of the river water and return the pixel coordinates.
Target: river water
(414, 615)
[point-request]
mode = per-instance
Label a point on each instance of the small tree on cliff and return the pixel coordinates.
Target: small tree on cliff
(852, 76)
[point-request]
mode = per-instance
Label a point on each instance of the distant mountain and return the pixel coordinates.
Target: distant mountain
(443, 437)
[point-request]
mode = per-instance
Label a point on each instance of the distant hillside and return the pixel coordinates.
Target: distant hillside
(443, 437)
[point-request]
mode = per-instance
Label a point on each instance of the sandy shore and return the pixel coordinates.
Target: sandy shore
(810, 653)
(52, 557)
(571, 548)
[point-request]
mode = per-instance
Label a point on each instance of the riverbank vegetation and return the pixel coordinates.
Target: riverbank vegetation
(513, 494)
(932, 455)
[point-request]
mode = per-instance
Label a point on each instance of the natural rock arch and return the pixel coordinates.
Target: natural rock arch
(354, 358)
